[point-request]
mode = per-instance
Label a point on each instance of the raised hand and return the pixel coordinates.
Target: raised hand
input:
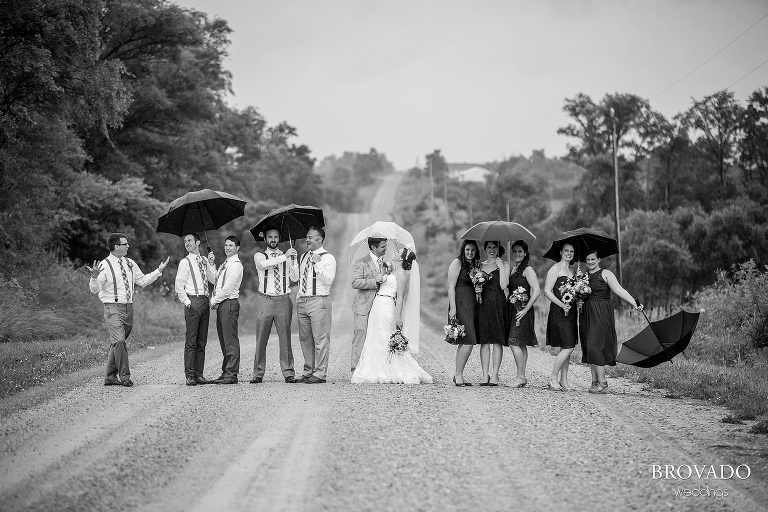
(95, 270)
(163, 264)
(211, 258)
(291, 253)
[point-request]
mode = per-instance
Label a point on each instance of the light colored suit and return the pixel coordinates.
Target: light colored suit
(365, 277)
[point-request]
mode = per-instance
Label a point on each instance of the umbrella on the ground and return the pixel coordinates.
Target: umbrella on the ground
(291, 221)
(498, 230)
(381, 229)
(660, 341)
(583, 240)
(200, 211)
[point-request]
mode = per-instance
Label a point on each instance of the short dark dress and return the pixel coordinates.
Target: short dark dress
(597, 325)
(525, 333)
(492, 313)
(561, 329)
(466, 313)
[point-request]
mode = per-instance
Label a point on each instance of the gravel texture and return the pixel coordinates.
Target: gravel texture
(341, 447)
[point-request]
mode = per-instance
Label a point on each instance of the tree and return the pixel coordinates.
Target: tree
(717, 120)
(753, 146)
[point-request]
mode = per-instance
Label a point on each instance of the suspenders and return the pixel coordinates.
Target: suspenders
(314, 274)
(266, 274)
(114, 279)
(192, 273)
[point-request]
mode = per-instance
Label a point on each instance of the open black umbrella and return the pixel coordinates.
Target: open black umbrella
(200, 211)
(583, 240)
(498, 230)
(660, 341)
(291, 221)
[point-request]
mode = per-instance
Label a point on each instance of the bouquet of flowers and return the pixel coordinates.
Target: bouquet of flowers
(518, 298)
(398, 344)
(567, 293)
(581, 288)
(479, 277)
(453, 330)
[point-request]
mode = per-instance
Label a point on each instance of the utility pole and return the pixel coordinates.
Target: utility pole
(509, 242)
(470, 211)
(616, 191)
(431, 183)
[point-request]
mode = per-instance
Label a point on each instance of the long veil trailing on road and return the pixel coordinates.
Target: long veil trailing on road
(411, 309)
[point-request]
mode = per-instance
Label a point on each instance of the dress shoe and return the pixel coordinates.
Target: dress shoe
(191, 381)
(290, 379)
(112, 381)
(127, 383)
(226, 380)
(314, 380)
(298, 380)
(200, 380)
(257, 380)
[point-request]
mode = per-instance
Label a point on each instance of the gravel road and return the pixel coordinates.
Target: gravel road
(341, 447)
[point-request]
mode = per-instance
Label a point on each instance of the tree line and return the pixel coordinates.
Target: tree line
(110, 109)
(693, 190)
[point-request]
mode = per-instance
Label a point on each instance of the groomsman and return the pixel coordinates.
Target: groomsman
(367, 276)
(192, 278)
(225, 302)
(114, 280)
(273, 304)
(317, 271)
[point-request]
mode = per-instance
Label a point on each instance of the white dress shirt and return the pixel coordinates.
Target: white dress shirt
(376, 262)
(187, 278)
(112, 289)
(271, 261)
(324, 270)
(228, 279)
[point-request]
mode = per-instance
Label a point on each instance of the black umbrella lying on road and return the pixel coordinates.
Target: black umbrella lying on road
(291, 221)
(200, 211)
(583, 241)
(660, 341)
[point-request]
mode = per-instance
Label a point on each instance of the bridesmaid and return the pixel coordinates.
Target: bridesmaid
(523, 335)
(462, 305)
(492, 312)
(561, 326)
(597, 325)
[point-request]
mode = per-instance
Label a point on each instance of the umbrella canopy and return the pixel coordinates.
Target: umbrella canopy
(291, 221)
(381, 229)
(200, 211)
(498, 230)
(660, 341)
(583, 240)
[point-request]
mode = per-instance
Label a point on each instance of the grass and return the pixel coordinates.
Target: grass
(56, 329)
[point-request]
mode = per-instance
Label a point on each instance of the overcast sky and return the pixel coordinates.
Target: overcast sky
(480, 80)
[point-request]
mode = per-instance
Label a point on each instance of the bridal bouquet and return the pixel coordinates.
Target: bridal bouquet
(518, 298)
(398, 343)
(453, 331)
(479, 277)
(581, 288)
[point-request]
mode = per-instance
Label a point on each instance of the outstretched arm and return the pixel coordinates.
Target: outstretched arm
(619, 290)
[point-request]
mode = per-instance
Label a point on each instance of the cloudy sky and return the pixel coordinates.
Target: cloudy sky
(480, 80)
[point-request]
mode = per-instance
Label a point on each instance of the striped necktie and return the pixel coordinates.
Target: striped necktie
(125, 282)
(203, 275)
(304, 277)
(276, 276)
(222, 272)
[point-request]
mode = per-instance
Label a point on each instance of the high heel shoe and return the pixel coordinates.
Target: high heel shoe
(493, 384)
(486, 383)
(457, 384)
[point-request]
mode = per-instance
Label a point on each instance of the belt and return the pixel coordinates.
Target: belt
(272, 296)
(310, 296)
(203, 296)
(393, 297)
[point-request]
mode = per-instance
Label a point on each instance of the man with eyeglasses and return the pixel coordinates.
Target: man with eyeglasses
(317, 270)
(114, 279)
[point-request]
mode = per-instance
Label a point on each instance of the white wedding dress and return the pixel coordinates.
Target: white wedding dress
(375, 365)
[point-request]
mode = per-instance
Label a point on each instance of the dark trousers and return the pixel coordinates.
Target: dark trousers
(276, 310)
(196, 316)
(119, 321)
(227, 315)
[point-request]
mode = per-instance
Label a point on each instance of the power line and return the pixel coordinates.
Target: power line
(745, 76)
(709, 59)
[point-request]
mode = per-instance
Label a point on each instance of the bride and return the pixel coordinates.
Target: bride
(396, 305)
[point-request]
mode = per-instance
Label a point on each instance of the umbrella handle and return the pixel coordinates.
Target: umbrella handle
(654, 330)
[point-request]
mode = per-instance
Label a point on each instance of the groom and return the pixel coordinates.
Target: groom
(367, 276)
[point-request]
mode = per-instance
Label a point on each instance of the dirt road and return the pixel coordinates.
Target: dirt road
(343, 447)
